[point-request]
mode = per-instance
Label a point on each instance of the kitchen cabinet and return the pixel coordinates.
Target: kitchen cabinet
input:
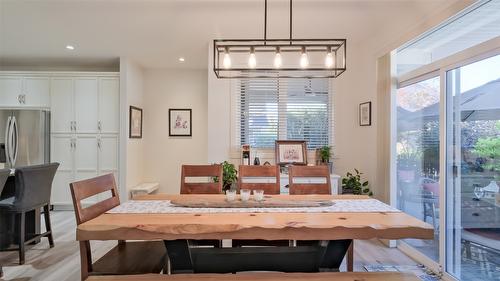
(85, 111)
(61, 105)
(24, 91)
(86, 105)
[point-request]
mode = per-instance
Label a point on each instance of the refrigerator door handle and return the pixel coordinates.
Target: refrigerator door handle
(7, 140)
(15, 144)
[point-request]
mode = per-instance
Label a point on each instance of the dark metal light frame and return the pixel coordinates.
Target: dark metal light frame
(338, 48)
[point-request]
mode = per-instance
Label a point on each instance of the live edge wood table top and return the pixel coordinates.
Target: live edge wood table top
(268, 226)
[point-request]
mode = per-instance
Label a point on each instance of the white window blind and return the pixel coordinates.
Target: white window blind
(285, 109)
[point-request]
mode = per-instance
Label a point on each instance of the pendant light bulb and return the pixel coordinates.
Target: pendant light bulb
(304, 60)
(252, 60)
(278, 62)
(329, 59)
(227, 59)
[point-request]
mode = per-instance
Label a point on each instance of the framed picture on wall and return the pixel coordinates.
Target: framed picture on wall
(365, 114)
(179, 123)
(291, 152)
(135, 122)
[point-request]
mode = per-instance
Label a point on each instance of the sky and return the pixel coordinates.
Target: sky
(480, 73)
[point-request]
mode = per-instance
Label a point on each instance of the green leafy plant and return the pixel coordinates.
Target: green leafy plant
(352, 184)
(229, 175)
(489, 148)
(325, 153)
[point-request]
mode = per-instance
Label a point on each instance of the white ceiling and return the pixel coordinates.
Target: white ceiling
(156, 33)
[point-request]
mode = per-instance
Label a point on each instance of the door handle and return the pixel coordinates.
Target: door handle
(99, 126)
(7, 140)
(23, 99)
(15, 138)
(19, 99)
(99, 143)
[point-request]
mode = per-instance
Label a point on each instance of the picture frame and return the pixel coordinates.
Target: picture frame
(291, 152)
(135, 122)
(180, 122)
(365, 114)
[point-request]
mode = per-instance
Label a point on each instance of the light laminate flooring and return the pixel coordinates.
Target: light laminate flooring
(62, 263)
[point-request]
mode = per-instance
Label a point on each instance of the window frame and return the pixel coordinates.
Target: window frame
(477, 53)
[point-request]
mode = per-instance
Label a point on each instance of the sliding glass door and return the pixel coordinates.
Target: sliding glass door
(417, 156)
(473, 170)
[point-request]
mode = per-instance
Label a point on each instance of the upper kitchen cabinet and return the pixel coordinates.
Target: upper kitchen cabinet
(109, 105)
(18, 91)
(85, 105)
(62, 105)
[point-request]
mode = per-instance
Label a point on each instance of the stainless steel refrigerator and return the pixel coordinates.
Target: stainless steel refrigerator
(24, 137)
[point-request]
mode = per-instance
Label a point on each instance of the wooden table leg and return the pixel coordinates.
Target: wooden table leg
(350, 257)
(85, 259)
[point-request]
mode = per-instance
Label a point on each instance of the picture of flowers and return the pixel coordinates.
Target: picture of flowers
(180, 122)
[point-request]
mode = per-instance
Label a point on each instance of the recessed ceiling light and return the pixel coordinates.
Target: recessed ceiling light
(181, 59)
(69, 47)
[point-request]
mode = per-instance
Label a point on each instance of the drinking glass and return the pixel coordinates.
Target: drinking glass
(245, 194)
(230, 195)
(258, 194)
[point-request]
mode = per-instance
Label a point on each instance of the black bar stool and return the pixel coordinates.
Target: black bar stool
(33, 188)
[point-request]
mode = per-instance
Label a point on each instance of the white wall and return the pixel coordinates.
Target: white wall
(164, 155)
(131, 150)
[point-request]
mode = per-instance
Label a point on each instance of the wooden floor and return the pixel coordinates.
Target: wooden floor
(62, 263)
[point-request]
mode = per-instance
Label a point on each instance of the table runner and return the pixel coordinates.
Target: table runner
(165, 207)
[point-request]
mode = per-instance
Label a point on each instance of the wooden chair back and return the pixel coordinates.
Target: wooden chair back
(295, 173)
(208, 171)
(81, 190)
(247, 172)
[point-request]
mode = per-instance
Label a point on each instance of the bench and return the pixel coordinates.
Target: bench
(324, 276)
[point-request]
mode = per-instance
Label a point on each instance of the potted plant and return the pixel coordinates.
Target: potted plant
(229, 175)
(351, 184)
(324, 154)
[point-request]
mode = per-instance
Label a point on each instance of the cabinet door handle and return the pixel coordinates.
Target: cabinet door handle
(99, 143)
(74, 126)
(19, 98)
(24, 99)
(99, 126)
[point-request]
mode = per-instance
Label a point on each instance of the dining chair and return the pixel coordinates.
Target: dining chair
(208, 186)
(300, 180)
(33, 188)
(4, 174)
(205, 171)
(125, 258)
(258, 177)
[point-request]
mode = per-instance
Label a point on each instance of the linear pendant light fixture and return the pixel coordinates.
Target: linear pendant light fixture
(286, 58)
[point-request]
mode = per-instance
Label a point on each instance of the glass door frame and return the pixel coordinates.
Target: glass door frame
(477, 53)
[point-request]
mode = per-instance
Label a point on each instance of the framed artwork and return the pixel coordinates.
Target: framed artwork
(365, 114)
(135, 123)
(179, 123)
(291, 152)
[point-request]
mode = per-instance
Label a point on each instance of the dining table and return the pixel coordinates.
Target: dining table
(349, 217)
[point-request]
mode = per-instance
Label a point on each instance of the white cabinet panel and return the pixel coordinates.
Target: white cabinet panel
(10, 90)
(61, 105)
(109, 105)
(86, 153)
(61, 193)
(86, 100)
(108, 153)
(62, 151)
(36, 91)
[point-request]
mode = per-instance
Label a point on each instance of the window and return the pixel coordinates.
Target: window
(293, 109)
(417, 157)
(473, 170)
